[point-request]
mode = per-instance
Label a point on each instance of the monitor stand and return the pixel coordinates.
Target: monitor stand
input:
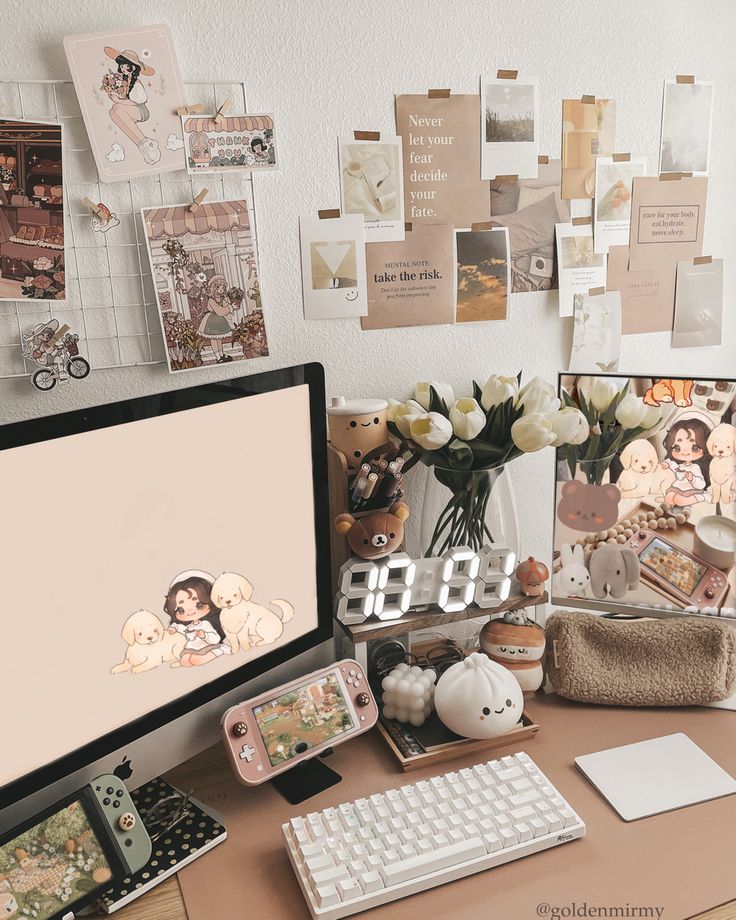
(306, 779)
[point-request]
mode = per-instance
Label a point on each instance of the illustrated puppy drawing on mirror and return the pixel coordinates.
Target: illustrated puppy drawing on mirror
(246, 623)
(641, 465)
(149, 644)
(721, 445)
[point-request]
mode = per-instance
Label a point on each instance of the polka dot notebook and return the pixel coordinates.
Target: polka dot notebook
(196, 833)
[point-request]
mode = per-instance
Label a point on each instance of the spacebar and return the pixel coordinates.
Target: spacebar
(441, 858)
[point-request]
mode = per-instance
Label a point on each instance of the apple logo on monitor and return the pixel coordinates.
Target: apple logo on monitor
(123, 770)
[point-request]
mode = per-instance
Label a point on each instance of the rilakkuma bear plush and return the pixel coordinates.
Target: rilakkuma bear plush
(477, 698)
(374, 535)
(518, 647)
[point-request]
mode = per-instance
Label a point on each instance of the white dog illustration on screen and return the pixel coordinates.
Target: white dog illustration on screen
(642, 472)
(721, 445)
(149, 644)
(246, 623)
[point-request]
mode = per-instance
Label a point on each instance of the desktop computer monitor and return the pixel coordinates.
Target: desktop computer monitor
(159, 554)
(645, 509)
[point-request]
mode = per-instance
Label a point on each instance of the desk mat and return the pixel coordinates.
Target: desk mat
(682, 861)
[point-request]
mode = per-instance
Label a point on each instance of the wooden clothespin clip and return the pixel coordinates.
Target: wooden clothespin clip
(702, 260)
(685, 78)
(593, 292)
(674, 176)
(367, 135)
(507, 74)
(507, 178)
(190, 109)
(621, 157)
(198, 200)
(59, 334)
(484, 225)
(223, 110)
(588, 100)
(94, 208)
(580, 221)
(328, 214)
(407, 226)
(543, 160)
(438, 94)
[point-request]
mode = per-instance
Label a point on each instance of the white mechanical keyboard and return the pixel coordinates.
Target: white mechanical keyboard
(390, 845)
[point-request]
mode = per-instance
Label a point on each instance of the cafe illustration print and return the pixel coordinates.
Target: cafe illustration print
(205, 272)
(243, 142)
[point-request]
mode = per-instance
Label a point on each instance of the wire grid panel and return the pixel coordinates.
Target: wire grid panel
(110, 298)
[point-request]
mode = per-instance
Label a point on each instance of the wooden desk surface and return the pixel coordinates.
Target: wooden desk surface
(676, 860)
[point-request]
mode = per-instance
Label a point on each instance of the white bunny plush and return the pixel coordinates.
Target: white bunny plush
(573, 579)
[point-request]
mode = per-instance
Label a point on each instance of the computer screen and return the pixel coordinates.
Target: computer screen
(152, 565)
(645, 508)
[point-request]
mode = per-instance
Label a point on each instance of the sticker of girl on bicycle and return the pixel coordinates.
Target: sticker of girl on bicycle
(55, 350)
(129, 87)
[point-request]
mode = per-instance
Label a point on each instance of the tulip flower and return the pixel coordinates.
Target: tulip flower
(570, 426)
(467, 418)
(393, 405)
(430, 430)
(443, 390)
(498, 389)
(602, 393)
(630, 411)
(538, 396)
(532, 432)
(652, 415)
(403, 414)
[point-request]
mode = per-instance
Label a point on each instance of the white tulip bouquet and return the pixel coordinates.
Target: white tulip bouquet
(614, 418)
(463, 439)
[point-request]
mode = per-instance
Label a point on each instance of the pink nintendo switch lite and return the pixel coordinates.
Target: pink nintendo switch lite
(272, 732)
(675, 572)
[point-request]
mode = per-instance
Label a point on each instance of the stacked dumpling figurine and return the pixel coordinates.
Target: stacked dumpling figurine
(408, 693)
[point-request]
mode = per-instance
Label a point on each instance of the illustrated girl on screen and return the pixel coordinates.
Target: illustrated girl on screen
(194, 614)
(687, 458)
(214, 325)
(130, 100)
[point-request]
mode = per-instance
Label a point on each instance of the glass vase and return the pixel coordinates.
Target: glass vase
(468, 508)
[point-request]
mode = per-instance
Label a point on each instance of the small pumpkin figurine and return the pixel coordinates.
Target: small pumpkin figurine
(532, 575)
(518, 644)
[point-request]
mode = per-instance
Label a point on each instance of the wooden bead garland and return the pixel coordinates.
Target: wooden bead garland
(663, 517)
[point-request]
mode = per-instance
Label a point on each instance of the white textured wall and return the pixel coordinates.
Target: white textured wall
(325, 67)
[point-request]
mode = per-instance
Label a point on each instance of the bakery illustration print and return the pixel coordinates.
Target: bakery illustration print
(129, 87)
(206, 618)
(244, 142)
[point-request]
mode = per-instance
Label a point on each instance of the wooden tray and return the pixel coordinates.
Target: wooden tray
(441, 753)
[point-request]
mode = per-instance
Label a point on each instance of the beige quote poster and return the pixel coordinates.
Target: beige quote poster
(667, 221)
(647, 297)
(441, 154)
(412, 282)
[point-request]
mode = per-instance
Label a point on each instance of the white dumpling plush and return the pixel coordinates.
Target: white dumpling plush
(477, 698)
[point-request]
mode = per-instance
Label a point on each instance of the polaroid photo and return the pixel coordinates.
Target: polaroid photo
(238, 142)
(508, 124)
(531, 208)
(687, 111)
(612, 203)
(698, 305)
(129, 88)
(667, 221)
(205, 274)
(411, 282)
(596, 338)
(372, 184)
(588, 131)
(31, 212)
(333, 266)
(483, 275)
(579, 266)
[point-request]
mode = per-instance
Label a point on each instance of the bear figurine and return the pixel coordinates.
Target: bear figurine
(376, 534)
(587, 507)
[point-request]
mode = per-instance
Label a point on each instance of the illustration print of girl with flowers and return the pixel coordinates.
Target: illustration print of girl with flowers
(130, 101)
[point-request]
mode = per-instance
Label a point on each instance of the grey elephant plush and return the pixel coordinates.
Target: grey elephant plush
(613, 570)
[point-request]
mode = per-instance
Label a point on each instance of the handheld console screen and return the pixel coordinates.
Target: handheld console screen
(49, 867)
(303, 718)
(681, 571)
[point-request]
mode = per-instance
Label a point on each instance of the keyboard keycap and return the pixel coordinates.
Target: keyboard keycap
(326, 896)
(440, 858)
